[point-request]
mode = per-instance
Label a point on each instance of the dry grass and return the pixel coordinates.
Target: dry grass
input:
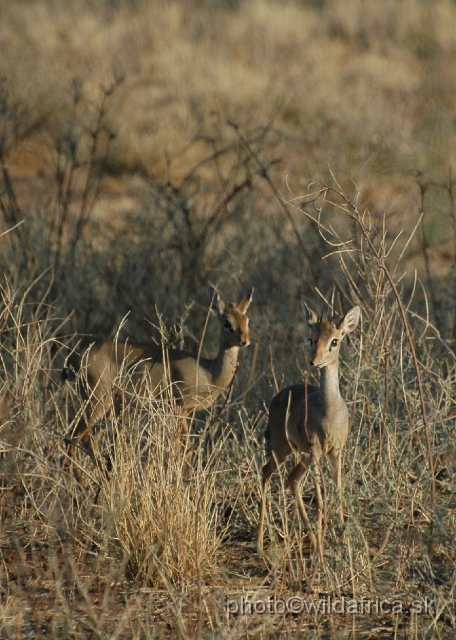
(147, 149)
(366, 88)
(161, 544)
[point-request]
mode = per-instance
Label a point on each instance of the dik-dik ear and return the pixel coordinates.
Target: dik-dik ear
(217, 304)
(349, 321)
(312, 317)
(244, 304)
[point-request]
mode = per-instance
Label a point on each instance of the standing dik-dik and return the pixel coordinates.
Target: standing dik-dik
(311, 420)
(194, 382)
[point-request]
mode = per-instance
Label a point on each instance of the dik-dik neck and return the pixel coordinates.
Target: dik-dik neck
(223, 366)
(329, 385)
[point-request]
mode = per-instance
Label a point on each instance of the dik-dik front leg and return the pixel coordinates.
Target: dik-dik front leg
(335, 462)
(82, 434)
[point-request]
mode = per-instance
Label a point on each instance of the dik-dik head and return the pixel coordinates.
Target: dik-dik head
(234, 322)
(326, 336)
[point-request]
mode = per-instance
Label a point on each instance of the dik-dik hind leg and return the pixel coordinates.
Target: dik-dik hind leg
(278, 452)
(295, 479)
(316, 469)
(267, 472)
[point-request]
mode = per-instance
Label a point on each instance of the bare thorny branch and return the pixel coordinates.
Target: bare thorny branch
(352, 212)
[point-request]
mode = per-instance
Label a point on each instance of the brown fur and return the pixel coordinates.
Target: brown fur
(311, 420)
(195, 382)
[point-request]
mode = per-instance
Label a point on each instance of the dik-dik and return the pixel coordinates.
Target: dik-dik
(195, 382)
(312, 421)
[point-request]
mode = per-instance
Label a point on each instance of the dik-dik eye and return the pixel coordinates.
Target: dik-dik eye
(334, 342)
(228, 326)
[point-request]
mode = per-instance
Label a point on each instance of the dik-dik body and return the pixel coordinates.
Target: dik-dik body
(195, 382)
(310, 420)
